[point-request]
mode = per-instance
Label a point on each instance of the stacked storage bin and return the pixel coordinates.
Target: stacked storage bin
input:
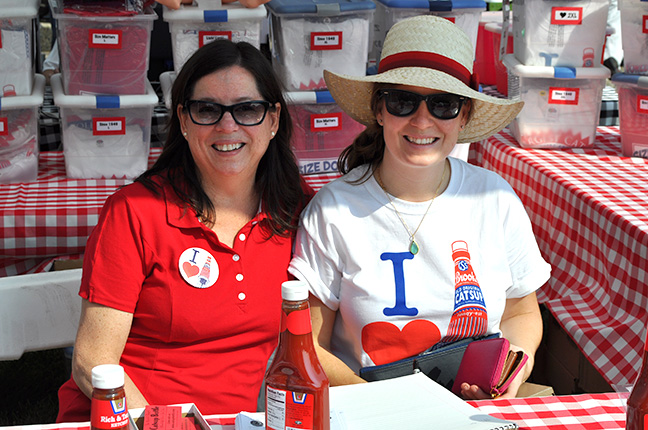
(17, 53)
(19, 134)
(632, 85)
(192, 26)
(465, 13)
(103, 94)
(556, 70)
(305, 39)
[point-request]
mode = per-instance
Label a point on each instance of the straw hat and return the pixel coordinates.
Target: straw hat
(430, 52)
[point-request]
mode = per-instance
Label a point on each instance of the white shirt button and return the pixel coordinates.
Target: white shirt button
(241, 296)
(239, 277)
(236, 257)
(241, 237)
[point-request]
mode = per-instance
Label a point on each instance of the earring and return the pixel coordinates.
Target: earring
(184, 133)
(380, 123)
(272, 133)
(463, 126)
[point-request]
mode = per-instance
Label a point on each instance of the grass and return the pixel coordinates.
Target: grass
(29, 386)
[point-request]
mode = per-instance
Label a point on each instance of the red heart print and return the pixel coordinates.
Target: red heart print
(190, 269)
(384, 342)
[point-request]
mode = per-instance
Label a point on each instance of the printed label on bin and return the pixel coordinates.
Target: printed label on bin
(206, 37)
(326, 40)
(4, 127)
(563, 96)
(644, 25)
(314, 167)
(640, 150)
(108, 126)
(452, 19)
(326, 122)
(642, 104)
(566, 15)
(105, 39)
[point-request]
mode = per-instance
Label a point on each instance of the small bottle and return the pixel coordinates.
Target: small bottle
(469, 317)
(297, 389)
(637, 406)
(108, 407)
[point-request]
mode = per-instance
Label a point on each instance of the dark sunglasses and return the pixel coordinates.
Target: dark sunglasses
(405, 103)
(245, 113)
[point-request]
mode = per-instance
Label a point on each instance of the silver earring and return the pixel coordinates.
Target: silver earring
(272, 133)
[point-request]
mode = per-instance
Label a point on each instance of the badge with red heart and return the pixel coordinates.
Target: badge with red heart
(198, 267)
(385, 343)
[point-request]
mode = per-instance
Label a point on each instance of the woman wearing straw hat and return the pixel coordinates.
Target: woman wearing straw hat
(378, 246)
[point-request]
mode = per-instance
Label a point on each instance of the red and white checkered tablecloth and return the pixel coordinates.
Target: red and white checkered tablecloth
(52, 217)
(589, 209)
(579, 412)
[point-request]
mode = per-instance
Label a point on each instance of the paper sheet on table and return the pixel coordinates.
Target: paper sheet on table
(410, 402)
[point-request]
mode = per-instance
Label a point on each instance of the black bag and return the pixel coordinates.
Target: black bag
(440, 363)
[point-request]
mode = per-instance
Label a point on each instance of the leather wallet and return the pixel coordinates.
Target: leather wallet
(440, 363)
(490, 365)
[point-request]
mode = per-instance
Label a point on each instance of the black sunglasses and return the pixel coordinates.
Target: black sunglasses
(405, 103)
(245, 113)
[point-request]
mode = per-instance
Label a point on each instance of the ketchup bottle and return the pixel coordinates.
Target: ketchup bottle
(297, 389)
(108, 408)
(637, 414)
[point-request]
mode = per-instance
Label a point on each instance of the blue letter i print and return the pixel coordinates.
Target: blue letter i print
(400, 308)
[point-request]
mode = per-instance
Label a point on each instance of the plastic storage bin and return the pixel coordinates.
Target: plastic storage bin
(484, 54)
(562, 105)
(192, 27)
(634, 36)
(321, 130)
(633, 113)
(501, 74)
(567, 33)
(105, 136)
(103, 54)
(465, 13)
(308, 37)
(19, 135)
(17, 51)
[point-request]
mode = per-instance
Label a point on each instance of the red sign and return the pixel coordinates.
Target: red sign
(326, 122)
(108, 126)
(563, 96)
(105, 39)
(205, 37)
(642, 104)
(566, 15)
(326, 40)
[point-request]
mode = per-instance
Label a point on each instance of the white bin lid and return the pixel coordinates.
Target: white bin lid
(514, 66)
(56, 8)
(22, 102)
(10, 8)
(101, 101)
(622, 79)
(229, 12)
(435, 6)
(309, 97)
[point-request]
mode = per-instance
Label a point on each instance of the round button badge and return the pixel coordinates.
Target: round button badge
(198, 267)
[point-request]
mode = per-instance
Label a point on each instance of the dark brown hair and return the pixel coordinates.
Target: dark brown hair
(277, 176)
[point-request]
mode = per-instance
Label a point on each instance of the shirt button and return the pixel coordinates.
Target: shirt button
(241, 237)
(236, 257)
(239, 277)
(241, 296)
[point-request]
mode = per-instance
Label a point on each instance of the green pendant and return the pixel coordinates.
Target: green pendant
(414, 248)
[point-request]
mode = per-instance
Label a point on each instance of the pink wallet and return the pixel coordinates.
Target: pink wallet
(490, 365)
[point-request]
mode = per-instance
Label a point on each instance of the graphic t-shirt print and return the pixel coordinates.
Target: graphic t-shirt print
(198, 267)
(385, 342)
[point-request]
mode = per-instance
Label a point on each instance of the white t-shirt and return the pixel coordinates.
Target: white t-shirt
(352, 249)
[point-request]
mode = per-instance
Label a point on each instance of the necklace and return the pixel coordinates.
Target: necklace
(414, 247)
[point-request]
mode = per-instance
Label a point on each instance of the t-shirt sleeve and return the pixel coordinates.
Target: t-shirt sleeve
(315, 257)
(114, 262)
(529, 270)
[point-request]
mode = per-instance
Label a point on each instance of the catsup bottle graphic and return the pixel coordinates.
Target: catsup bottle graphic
(637, 413)
(297, 389)
(469, 317)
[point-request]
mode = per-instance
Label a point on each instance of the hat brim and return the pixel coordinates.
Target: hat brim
(488, 116)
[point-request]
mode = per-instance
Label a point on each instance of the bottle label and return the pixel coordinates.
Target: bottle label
(109, 414)
(297, 322)
(289, 410)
